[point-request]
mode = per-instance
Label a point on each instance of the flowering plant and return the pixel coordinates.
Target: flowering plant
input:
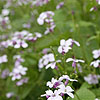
(49, 50)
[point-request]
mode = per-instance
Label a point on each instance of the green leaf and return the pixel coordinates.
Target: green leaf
(84, 94)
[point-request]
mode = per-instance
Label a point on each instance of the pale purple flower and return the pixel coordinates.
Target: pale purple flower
(40, 2)
(79, 68)
(93, 8)
(5, 12)
(52, 82)
(18, 72)
(3, 59)
(92, 79)
(47, 17)
(95, 63)
(22, 81)
(46, 50)
(45, 60)
(9, 94)
(27, 25)
(96, 53)
(5, 73)
(98, 1)
(60, 5)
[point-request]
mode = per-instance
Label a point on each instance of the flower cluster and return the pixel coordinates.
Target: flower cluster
(40, 2)
(22, 81)
(19, 39)
(18, 69)
(47, 61)
(47, 18)
(66, 45)
(4, 20)
(60, 88)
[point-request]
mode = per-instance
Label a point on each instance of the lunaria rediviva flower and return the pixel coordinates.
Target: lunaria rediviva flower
(74, 61)
(92, 79)
(60, 5)
(50, 95)
(47, 61)
(3, 59)
(66, 45)
(18, 70)
(96, 53)
(60, 88)
(95, 63)
(47, 17)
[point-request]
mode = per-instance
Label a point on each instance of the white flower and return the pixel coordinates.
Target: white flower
(3, 59)
(5, 12)
(96, 53)
(52, 64)
(38, 35)
(9, 94)
(45, 60)
(20, 43)
(98, 1)
(41, 18)
(66, 90)
(95, 63)
(45, 16)
(74, 60)
(65, 46)
(66, 77)
(51, 84)
(17, 72)
(52, 96)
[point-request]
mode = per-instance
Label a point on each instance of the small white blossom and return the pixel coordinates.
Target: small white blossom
(74, 61)
(53, 64)
(52, 83)
(46, 59)
(18, 72)
(95, 63)
(3, 59)
(5, 12)
(96, 53)
(52, 95)
(66, 90)
(66, 45)
(66, 77)
(98, 1)
(9, 94)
